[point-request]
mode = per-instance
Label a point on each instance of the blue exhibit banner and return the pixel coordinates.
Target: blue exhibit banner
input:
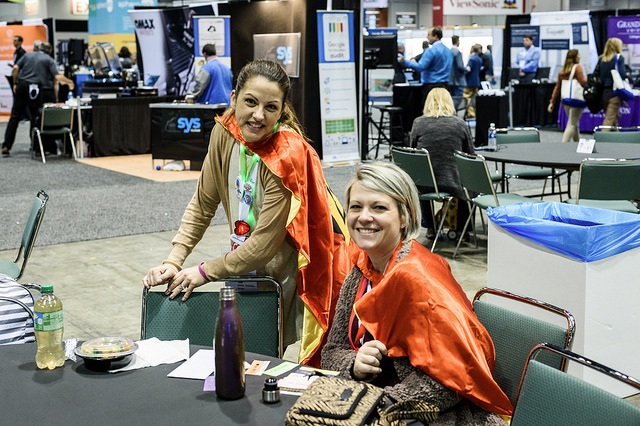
(338, 95)
(112, 17)
(626, 28)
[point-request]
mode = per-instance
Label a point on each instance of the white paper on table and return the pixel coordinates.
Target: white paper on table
(199, 366)
(153, 352)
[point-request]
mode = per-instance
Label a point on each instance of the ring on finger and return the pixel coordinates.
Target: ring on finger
(183, 287)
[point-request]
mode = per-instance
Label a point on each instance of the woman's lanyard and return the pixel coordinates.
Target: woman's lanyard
(358, 334)
(245, 191)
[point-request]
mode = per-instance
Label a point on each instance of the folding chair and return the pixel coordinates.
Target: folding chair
(630, 134)
(56, 120)
(514, 333)
(417, 164)
(528, 135)
(15, 268)
(475, 178)
(195, 319)
(609, 184)
(548, 396)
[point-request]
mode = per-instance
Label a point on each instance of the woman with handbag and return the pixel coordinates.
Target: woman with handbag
(608, 60)
(571, 79)
(402, 321)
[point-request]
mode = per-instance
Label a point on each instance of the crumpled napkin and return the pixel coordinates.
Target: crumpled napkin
(152, 352)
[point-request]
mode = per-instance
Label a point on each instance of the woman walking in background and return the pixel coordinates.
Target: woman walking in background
(571, 65)
(608, 59)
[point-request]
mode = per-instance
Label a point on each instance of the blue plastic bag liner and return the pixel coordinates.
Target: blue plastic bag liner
(583, 233)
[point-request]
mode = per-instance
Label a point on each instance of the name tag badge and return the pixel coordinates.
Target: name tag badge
(237, 241)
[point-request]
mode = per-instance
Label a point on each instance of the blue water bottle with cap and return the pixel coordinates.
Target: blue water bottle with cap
(491, 137)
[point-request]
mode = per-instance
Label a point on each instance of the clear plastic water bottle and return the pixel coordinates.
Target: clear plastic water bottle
(491, 137)
(229, 348)
(49, 328)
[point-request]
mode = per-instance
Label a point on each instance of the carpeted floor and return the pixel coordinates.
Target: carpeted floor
(99, 197)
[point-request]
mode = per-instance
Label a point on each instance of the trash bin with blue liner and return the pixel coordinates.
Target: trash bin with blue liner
(583, 259)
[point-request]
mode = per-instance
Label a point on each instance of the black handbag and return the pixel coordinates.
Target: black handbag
(593, 91)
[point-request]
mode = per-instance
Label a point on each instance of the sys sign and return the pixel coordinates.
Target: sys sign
(189, 125)
(284, 54)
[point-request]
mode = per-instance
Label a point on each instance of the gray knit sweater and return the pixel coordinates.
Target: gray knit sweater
(441, 136)
(338, 355)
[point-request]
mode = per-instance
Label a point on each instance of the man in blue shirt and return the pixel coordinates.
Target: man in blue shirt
(527, 60)
(434, 64)
(214, 82)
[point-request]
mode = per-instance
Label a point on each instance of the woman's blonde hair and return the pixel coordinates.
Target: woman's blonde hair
(391, 180)
(612, 47)
(439, 103)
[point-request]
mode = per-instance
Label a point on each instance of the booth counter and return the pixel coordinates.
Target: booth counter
(121, 125)
(181, 131)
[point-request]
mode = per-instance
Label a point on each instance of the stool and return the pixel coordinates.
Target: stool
(391, 122)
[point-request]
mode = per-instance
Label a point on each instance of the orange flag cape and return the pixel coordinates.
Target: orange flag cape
(316, 228)
(418, 310)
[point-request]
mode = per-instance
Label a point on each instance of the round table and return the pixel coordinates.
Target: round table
(558, 155)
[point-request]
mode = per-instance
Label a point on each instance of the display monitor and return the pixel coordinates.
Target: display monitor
(543, 72)
(387, 48)
(514, 74)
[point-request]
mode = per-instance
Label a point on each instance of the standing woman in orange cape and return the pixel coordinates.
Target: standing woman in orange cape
(281, 213)
(402, 321)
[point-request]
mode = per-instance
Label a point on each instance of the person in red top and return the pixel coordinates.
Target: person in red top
(572, 60)
(402, 321)
(283, 219)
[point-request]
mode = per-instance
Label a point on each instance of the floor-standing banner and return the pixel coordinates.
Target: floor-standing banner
(338, 97)
(627, 29)
(150, 33)
(211, 30)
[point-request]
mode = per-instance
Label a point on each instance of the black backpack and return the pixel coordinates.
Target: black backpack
(593, 91)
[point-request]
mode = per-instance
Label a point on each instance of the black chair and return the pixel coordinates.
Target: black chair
(389, 126)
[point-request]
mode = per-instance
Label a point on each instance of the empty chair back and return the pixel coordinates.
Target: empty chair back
(16, 268)
(609, 180)
(519, 135)
(195, 319)
(417, 163)
(617, 134)
(551, 397)
(514, 334)
(54, 117)
(474, 174)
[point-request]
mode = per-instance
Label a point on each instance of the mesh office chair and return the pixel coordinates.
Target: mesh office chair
(56, 121)
(15, 268)
(514, 333)
(609, 184)
(630, 134)
(548, 396)
(417, 164)
(476, 179)
(195, 319)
